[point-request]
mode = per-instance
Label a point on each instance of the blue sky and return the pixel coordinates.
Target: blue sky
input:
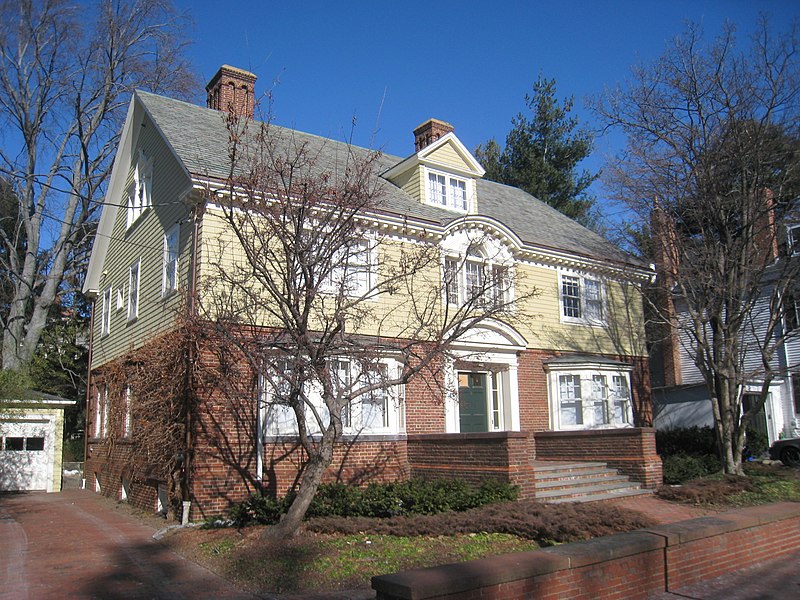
(392, 65)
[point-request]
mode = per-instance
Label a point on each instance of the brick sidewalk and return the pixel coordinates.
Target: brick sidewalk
(74, 544)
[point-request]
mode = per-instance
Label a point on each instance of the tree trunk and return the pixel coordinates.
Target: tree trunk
(315, 468)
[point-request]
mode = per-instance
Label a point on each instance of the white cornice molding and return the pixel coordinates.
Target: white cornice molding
(403, 226)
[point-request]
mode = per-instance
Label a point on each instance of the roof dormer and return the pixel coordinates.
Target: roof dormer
(442, 172)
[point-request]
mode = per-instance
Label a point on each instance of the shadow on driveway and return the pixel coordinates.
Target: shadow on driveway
(78, 545)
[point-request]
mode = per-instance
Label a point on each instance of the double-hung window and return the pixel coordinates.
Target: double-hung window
(101, 412)
(473, 279)
(105, 317)
(352, 272)
(133, 290)
(127, 424)
(139, 192)
(581, 299)
(169, 280)
(341, 380)
(448, 191)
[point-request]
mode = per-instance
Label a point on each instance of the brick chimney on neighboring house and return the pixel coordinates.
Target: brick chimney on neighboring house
(766, 234)
(232, 90)
(664, 333)
(430, 131)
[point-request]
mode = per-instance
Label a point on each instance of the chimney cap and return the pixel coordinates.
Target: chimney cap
(430, 131)
(431, 122)
(231, 71)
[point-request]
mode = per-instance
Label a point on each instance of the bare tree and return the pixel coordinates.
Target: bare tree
(712, 163)
(66, 73)
(330, 312)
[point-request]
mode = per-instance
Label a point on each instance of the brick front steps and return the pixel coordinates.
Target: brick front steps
(632, 565)
(581, 482)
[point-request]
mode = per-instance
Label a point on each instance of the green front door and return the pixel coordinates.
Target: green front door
(472, 405)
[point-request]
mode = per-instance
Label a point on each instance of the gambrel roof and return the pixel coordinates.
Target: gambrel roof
(199, 138)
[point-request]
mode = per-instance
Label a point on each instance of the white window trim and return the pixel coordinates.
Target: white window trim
(450, 200)
(582, 278)
(269, 413)
(487, 266)
(105, 313)
(139, 194)
(170, 265)
(793, 238)
(344, 275)
(101, 412)
(133, 289)
(127, 424)
(586, 373)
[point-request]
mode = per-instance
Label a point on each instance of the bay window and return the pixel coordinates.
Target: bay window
(589, 395)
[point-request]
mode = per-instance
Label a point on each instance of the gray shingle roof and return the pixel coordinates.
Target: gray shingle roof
(199, 138)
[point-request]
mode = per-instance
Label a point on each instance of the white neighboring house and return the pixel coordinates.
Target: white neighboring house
(680, 398)
(31, 439)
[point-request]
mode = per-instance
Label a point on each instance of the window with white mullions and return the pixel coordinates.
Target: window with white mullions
(449, 191)
(473, 279)
(458, 193)
(169, 281)
(466, 281)
(437, 189)
(593, 397)
(378, 411)
(105, 317)
(620, 401)
(353, 270)
(133, 290)
(139, 192)
(570, 403)
(581, 299)
(571, 296)
(599, 399)
(501, 286)
(341, 379)
(375, 404)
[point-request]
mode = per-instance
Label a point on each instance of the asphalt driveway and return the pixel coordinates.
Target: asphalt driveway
(74, 544)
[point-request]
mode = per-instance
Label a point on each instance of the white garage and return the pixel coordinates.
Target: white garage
(31, 433)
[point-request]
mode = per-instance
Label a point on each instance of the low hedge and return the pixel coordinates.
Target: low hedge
(411, 497)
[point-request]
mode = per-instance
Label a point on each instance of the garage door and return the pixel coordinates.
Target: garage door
(26, 454)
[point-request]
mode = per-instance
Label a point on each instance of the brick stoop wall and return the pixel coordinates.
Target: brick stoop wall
(632, 451)
(505, 456)
(631, 565)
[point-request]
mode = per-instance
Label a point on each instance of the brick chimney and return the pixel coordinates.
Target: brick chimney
(663, 330)
(232, 90)
(430, 131)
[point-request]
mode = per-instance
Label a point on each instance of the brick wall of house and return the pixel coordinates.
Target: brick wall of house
(369, 459)
(109, 463)
(224, 467)
(632, 451)
(476, 457)
(424, 404)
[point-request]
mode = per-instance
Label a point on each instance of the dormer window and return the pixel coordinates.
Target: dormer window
(448, 191)
(139, 193)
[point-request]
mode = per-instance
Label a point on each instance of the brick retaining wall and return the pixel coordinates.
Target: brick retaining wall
(631, 565)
